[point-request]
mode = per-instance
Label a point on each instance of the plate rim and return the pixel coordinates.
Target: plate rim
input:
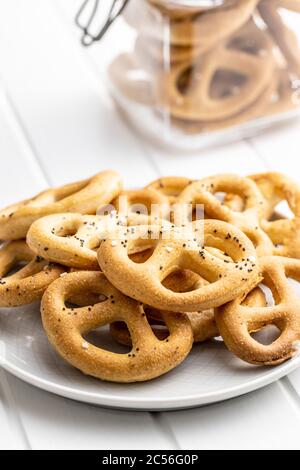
(155, 403)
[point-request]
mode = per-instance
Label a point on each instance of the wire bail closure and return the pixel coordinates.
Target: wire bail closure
(88, 38)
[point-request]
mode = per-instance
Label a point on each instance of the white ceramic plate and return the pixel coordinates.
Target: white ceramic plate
(210, 374)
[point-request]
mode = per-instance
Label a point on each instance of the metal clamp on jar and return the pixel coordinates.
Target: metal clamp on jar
(192, 73)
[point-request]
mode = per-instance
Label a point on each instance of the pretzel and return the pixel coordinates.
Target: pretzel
(204, 191)
(264, 105)
(69, 239)
(125, 74)
(235, 321)
(170, 186)
(84, 197)
(142, 201)
(279, 97)
(171, 252)
(31, 277)
(66, 329)
(207, 28)
(284, 37)
(286, 96)
(247, 218)
(194, 101)
(203, 323)
(72, 239)
(284, 233)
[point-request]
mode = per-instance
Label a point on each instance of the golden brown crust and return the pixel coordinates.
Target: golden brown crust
(247, 212)
(72, 239)
(143, 281)
(84, 197)
(170, 186)
(284, 232)
(141, 202)
(68, 239)
(203, 323)
(31, 277)
(235, 322)
(66, 328)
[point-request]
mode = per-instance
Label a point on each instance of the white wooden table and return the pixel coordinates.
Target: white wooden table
(57, 124)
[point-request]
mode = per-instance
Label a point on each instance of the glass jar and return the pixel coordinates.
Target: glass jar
(194, 73)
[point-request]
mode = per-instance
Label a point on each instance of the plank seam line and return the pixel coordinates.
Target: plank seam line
(150, 157)
(87, 63)
(22, 132)
(12, 410)
(90, 64)
(163, 424)
(262, 158)
(290, 391)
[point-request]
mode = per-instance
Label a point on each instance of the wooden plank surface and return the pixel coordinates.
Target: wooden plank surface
(28, 412)
(266, 419)
(57, 124)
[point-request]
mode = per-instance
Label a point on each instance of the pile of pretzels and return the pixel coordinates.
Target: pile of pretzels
(206, 69)
(162, 280)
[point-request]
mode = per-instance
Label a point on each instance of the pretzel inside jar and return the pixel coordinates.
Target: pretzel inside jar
(206, 27)
(285, 38)
(213, 68)
(186, 89)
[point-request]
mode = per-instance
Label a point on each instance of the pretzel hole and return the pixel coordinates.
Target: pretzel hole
(234, 198)
(140, 250)
(228, 250)
(170, 191)
(68, 229)
(158, 325)
(88, 299)
(269, 296)
(183, 280)
(282, 211)
(266, 335)
(235, 202)
(295, 284)
(226, 83)
(101, 338)
(95, 244)
(159, 329)
(218, 339)
(220, 195)
(223, 255)
(245, 44)
(14, 268)
(186, 80)
(141, 257)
